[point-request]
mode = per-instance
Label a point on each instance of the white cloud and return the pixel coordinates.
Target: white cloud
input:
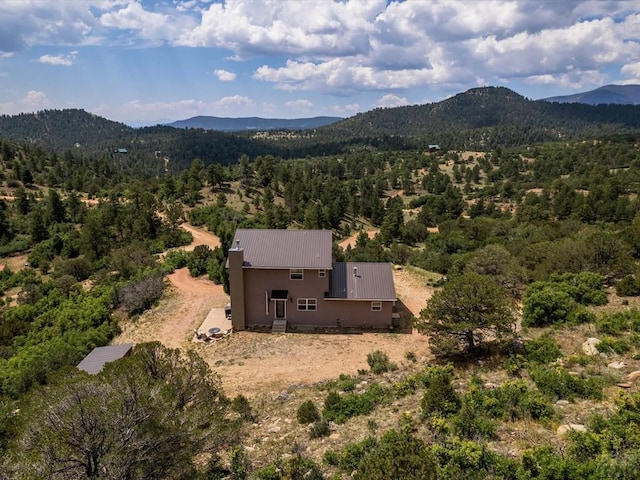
(34, 101)
(632, 72)
(63, 60)
(267, 27)
(234, 101)
(224, 76)
(44, 22)
(301, 105)
(390, 100)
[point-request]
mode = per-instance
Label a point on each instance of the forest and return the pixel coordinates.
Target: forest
(532, 242)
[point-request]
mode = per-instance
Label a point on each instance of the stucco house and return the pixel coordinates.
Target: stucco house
(287, 280)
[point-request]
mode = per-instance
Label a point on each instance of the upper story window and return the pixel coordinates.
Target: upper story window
(296, 274)
(322, 273)
(376, 306)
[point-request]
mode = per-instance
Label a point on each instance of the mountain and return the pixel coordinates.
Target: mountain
(488, 117)
(609, 94)
(62, 129)
(224, 124)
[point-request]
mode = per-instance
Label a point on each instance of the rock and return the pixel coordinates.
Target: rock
(283, 397)
(625, 385)
(633, 376)
(617, 365)
(562, 403)
(589, 346)
(563, 430)
(334, 436)
(490, 386)
(274, 429)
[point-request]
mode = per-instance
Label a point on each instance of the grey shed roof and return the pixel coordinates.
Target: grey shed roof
(99, 356)
(285, 248)
(362, 281)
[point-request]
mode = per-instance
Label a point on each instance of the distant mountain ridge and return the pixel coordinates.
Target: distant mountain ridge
(226, 124)
(608, 94)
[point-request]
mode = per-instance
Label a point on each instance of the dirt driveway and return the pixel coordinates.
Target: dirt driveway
(255, 364)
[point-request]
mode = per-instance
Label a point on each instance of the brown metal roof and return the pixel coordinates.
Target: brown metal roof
(285, 248)
(362, 281)
(99, 356)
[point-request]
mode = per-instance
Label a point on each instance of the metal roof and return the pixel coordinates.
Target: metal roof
(285, 248)
(99, 356)
(362, 281)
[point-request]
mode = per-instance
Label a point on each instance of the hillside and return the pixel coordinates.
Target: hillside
(226, 124)
(479, 119)
(608, 94)
(483, 118)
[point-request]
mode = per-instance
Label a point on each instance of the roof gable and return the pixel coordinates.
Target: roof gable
(309, 249)
(362, 281)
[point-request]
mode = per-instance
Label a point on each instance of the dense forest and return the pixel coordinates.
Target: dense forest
(529, 232)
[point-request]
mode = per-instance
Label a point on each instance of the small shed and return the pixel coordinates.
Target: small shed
(99, 356)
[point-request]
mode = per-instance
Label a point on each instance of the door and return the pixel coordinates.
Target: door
(281, 309)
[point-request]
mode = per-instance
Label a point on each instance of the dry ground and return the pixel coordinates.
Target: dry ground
(257, 363)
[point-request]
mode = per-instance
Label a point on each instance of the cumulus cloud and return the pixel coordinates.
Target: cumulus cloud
(44, 22)
(34, 101)
(267, 27)
(63, 60)
(224, 76)
(301, 105)
(390, 100)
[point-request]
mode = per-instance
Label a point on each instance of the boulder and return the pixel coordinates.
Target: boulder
(589, 346)
(617, 365)
(563, 430)
(633, 376)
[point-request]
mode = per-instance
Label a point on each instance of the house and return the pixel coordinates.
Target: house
(434, 148)
(100, 356)
(287, 280)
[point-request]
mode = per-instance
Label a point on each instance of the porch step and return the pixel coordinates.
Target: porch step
(279, 326)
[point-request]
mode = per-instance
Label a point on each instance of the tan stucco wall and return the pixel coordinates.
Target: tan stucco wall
(329, 313)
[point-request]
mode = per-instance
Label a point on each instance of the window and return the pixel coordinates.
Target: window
(322, 273)
(307, 304)
(376, 306)
(296, 274)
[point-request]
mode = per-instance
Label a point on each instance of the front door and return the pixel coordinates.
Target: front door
(281, 309)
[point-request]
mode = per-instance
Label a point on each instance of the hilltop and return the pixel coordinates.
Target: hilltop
(608, 94)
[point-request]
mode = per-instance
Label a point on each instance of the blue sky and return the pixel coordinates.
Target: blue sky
(144, 62)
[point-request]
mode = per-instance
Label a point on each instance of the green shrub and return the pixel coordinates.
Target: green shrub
(379, 362)
(353, 453)
(618, 322)
(608, 345)
(558, 383)
(241, 405)
(339, 408)
(397, 455)
(319, 429)
(542, 350)
(307, 413)
(472, 422)
(546, 306)
(440, 398)
(628, 287)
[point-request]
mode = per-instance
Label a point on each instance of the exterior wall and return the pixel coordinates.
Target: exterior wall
(328, 313)
(357, 314)
(236, 287)
(259, 281)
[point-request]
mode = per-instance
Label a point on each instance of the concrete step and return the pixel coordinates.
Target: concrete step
(279, 326)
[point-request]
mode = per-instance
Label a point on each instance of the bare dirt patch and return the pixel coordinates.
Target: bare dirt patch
(200, 237)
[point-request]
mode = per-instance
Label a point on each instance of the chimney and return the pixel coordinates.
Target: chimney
(236, 286)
